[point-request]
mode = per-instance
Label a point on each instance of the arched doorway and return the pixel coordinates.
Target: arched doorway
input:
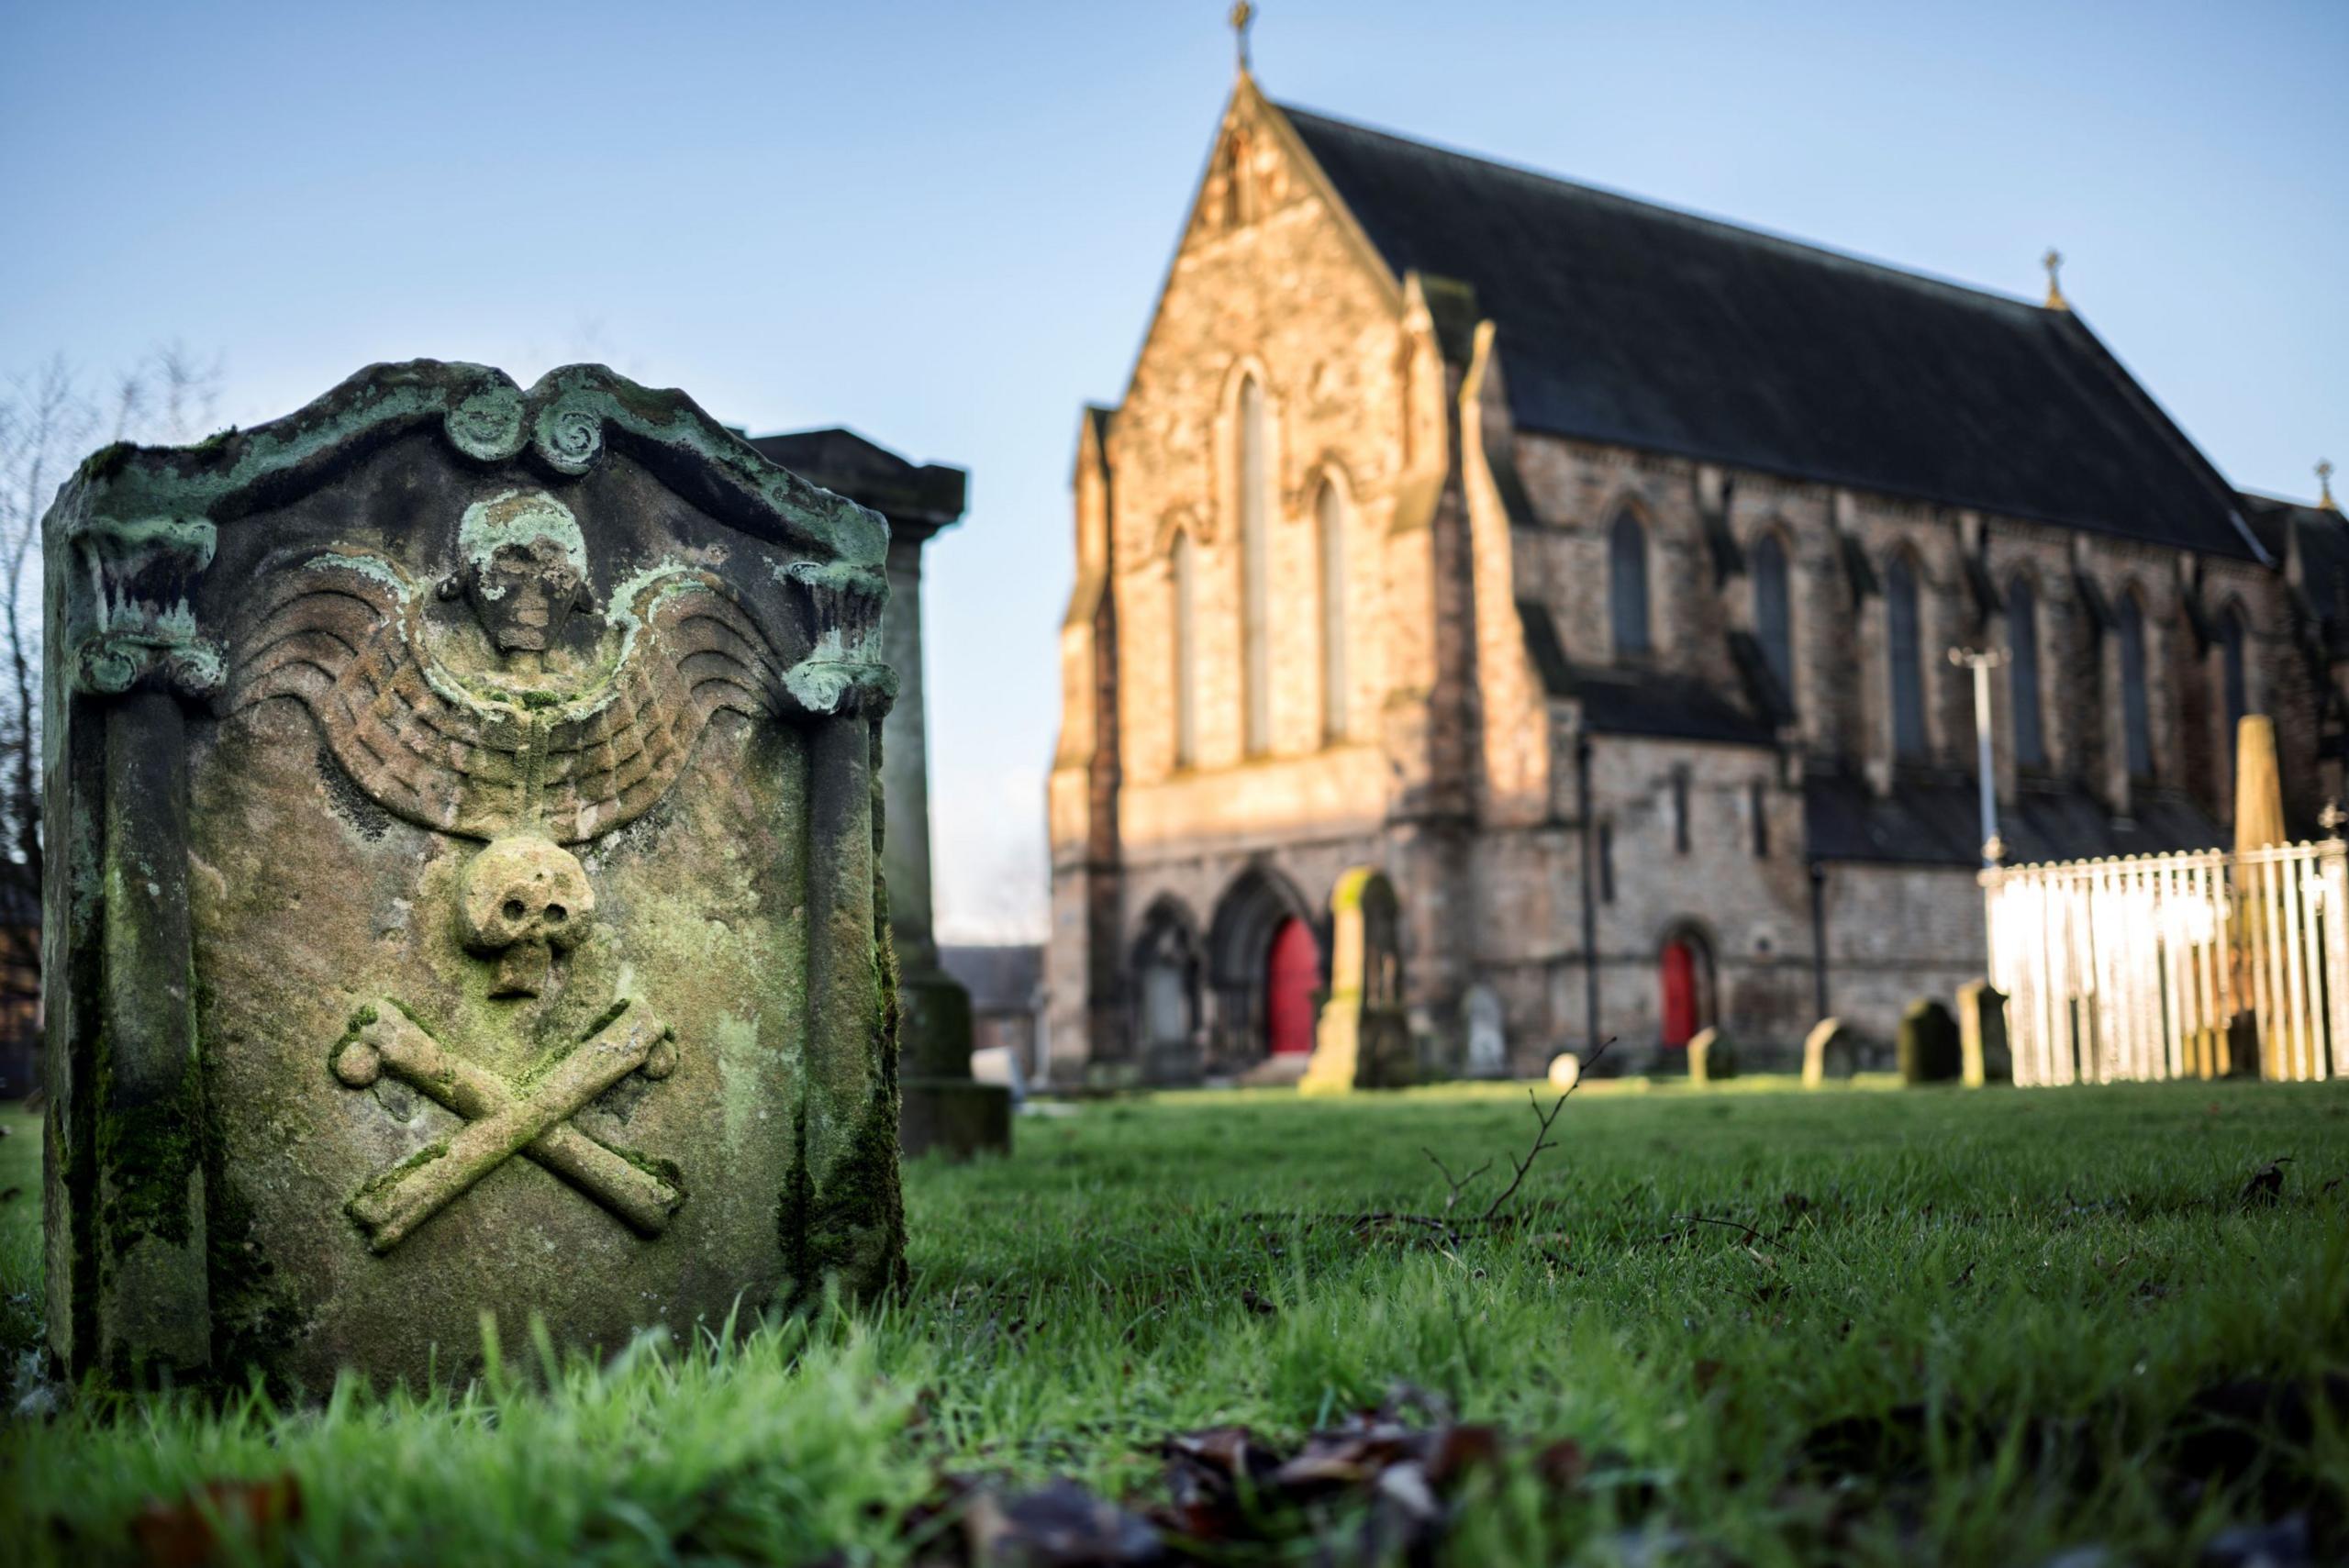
(1292, 972)
(1261, 945)
(1166, 975)
(1685, 980)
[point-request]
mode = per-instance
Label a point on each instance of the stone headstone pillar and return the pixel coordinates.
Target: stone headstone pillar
(1829, 1051)
(945, 1110)
(1711, 1059)
(1928, 1045)
(471, 804)
(1982, 1035)
(1362, 1038)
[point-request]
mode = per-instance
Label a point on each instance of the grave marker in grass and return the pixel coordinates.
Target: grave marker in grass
(468, 795)
(1928, 1045)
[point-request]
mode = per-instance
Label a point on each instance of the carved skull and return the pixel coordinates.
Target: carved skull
(521, 901)
(524, 570)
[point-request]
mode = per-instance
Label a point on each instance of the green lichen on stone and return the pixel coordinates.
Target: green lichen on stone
(151, 1155)
(390, 1175)
(253, 1314)
(519, 517)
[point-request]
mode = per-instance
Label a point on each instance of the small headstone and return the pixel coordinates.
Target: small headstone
(1830, 1051)
(471, 798)
(1362, 1038)
(1711, 1058)
(1487, 1032)
(2242, 1046)
(1926, 1044)
(1982, 1034)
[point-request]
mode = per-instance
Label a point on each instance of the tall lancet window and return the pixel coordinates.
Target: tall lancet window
(1904, 638)
(2136, 716)
(1181, 571)
(1255, 588)
(1329, 518)
(2233, 678)
(2023, 673)
(1627, 584)
(1773, 619)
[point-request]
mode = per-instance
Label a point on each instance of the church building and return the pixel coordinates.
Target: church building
(1590, 572)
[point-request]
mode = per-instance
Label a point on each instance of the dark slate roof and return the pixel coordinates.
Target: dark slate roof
(1629, 323)
(2322, 537)
(869, 474)
(999, 979)
(1637, 700)
(1940, 823)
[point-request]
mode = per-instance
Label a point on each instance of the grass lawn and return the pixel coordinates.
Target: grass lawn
(1989, 1327)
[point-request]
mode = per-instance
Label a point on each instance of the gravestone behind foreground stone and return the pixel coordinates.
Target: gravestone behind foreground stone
(1982, 1035)
(1830, 1051)
(469, 801)
(1711, 1058)
(1362, 1040)
(1928, 1047)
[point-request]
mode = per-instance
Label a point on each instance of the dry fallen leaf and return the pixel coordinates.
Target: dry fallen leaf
(181, 1534)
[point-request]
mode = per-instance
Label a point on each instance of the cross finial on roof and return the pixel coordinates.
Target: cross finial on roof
(2054, 262)
(2325, 485)
(1242, 14)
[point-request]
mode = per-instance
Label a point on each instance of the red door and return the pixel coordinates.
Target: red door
(1292, 972)
(1679, 992)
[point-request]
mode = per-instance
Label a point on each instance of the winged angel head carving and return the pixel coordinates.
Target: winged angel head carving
(489, 740)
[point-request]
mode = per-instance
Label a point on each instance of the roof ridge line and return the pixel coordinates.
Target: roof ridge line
(1684, 215)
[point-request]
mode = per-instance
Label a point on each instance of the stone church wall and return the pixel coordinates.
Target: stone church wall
(1271, 282)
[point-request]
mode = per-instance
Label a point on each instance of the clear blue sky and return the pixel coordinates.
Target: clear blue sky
(943, 224)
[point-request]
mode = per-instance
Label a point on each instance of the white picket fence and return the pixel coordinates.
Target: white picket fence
(2138, 967)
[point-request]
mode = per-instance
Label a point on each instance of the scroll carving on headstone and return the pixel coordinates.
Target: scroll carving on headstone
(499, 765)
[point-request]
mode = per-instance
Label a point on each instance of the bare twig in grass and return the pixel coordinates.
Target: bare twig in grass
(1541, 1136)
(1443, 1229)
(1459, 1185)
(1752, 1235)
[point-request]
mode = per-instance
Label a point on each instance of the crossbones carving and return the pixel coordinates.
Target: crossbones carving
(504, 1121)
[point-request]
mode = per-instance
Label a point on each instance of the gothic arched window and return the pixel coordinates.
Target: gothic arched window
(1773, 619)
(1627, 584)
(1904, 638)
(1181, 572)
(1330, 513)
(1255, 544)
(2234, 680)
(2023, 673)
(2136, 713)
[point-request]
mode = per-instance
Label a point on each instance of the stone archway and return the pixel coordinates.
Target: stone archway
(1684, 984)
(1260, 917)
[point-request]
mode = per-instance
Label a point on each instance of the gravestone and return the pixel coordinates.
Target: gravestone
(469, 798)
(1982, 1035)
(946, 1109)
(1927, 1046)
(1362, 1038)
(1830, 1051)
(1711, 1058)
(1487, 1032)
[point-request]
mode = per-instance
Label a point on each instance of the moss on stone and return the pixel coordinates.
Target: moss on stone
(149, 1155)
(254, 1314)
(389, 1176)
(106, 461)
